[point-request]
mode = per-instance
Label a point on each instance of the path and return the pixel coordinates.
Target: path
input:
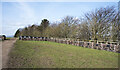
(6, 47)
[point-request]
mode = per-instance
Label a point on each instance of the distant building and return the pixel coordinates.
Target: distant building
(2, 37)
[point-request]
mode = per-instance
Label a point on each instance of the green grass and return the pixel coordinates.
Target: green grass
(44, 54)
(8, 38)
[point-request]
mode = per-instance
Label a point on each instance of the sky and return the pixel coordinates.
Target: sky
(21, 14)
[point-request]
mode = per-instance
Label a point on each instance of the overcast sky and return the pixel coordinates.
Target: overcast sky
(20, 14)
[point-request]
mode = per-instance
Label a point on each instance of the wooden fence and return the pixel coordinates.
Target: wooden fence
(113, 47)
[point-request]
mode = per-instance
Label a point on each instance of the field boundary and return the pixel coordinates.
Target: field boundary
(99, 46)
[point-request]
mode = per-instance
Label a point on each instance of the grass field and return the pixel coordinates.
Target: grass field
(44, 54)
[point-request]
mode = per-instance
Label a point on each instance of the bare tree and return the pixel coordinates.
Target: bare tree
(99, 22)
(68, 27)
(83, 32)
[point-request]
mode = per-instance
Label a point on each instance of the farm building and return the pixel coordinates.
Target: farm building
(2, 37)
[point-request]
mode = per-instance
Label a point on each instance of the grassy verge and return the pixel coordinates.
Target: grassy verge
(8, 38)
(44, 54)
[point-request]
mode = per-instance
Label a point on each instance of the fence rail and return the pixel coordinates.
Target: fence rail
(113, 47)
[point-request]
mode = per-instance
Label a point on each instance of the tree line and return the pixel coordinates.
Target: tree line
(100, 24)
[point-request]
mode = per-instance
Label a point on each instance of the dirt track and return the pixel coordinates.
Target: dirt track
(6, 47)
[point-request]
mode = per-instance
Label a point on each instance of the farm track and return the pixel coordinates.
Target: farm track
(6, 48)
